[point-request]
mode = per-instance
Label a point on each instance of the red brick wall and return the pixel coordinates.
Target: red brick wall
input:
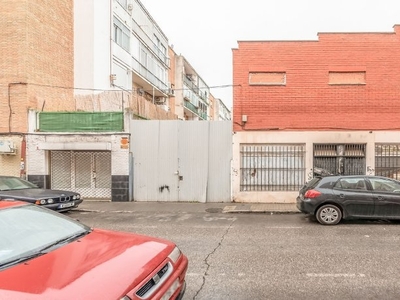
(36, 47)
(307, 101)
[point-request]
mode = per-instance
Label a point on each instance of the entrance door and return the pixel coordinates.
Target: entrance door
(88, 173)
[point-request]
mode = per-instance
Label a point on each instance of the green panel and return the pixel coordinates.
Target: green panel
(81, 121)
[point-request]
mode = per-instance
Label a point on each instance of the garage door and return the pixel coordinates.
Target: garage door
(88, 173)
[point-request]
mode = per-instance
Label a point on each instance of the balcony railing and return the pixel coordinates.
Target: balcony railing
(150, 43)
(190, 84)
(195, 110)
(143, 71)
(191, 107)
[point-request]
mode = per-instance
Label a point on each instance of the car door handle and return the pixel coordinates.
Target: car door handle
(341, 196)
(380, 198)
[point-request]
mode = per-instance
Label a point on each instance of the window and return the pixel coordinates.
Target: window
(124, 3)
(267, 78)
(160, 49)
(121, 34)
(387, 160)
(272, 167)
(347, 77)
(346, 159)
(143, 58)
(384, 185)
(355, 183)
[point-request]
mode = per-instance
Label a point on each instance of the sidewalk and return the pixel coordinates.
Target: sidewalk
(228, 207)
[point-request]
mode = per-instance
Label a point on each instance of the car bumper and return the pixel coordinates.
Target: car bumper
(182, 292)
(306, 205)
(64, 206)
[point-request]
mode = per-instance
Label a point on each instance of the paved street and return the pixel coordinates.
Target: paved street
(264, 255)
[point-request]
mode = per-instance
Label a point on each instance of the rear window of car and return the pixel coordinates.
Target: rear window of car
(313, 182)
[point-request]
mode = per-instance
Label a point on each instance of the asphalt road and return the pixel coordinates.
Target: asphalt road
(269, 256)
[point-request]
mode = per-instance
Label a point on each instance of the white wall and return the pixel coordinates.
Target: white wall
(38, 146)
(307, 138)
(92, 33)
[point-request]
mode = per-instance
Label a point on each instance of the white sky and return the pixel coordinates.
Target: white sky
(205, 32)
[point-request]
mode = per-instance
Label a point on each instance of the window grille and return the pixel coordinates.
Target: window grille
(346, 159)
(272, 167)
(387, 160)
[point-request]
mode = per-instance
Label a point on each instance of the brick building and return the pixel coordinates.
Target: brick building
(303, 106)
(36, 57)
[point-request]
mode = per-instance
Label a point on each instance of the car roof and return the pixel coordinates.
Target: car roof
(336, 177)
(7, 203)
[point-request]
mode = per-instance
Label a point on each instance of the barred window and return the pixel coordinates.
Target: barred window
(387, 160)
(345, 159)
(272, 167)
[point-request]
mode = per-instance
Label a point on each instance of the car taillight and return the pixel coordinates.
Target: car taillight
(312, 194)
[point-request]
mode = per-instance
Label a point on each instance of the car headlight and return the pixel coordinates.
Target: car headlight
(50, 201)
(74, 197)
(175, 254)
(41, 202)
(125, 298)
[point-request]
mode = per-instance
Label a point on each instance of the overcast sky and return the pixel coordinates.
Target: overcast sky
(205, 32)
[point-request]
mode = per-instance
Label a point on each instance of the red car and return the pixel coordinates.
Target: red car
(47, 255)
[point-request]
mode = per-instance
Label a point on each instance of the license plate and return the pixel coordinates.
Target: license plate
(65, 205)
(171, 290)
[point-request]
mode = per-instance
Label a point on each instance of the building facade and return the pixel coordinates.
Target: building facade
(36, 58)
(302, 107)
(191, 93)
(74, 76)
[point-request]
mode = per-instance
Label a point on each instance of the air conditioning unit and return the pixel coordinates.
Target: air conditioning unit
(165, 107)
(159, 100)
(7, 147)
(170, 92)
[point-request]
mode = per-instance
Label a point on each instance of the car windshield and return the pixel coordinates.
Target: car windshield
(15, 183)
(28, 231)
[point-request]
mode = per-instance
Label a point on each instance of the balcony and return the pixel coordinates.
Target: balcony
(195, 110)
(191, 85)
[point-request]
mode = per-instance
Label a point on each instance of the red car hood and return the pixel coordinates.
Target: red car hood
(101, 265)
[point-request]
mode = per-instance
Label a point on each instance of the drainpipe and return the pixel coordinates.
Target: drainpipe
(9, 102)
(23, 158)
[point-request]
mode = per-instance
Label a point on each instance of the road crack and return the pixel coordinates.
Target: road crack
(210, 254)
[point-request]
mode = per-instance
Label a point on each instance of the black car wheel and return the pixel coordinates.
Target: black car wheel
(329, 214)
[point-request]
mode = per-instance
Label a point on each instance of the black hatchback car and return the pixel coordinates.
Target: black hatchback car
(333, 198)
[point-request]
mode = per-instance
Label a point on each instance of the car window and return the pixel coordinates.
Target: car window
(29, 228)
(15, 183)
(385, 185)
(313, 182)
(353, 183)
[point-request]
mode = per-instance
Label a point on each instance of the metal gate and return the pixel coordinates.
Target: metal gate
(88, 173)
(181, 161)
(345, 159)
